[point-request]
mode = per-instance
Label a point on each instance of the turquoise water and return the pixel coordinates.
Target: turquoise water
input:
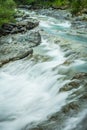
(65, 33)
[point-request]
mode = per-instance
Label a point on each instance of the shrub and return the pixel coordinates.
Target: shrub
(7, 11)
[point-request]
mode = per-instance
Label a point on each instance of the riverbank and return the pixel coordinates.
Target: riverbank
(17, 40)
(18, 33)
(7, 8)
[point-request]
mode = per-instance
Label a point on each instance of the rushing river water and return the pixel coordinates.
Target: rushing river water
(31, 90)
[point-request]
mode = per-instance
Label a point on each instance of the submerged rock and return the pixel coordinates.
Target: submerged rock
(70, 86)
(82, 125)
(55, 13)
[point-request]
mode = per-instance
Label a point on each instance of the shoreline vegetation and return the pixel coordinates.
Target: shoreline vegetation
(7, 7)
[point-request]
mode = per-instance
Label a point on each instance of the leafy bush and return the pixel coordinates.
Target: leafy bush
(59, 2)
(6, 11)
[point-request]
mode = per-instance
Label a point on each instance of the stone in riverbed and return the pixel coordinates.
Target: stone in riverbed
(17, 56)
(70, 86)
(18, 46)
(18, 27)
(28, 24)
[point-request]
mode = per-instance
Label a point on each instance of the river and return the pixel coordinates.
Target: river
(42, 92)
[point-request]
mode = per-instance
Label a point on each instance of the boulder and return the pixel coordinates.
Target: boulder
(19, 27)
(28, 24)
(18, 46)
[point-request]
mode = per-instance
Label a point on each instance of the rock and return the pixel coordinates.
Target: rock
(79, 76)
(68, 53)
(4, 32)
(82, 125)
(34, 37)
(25, 16)
(21, 15)
(69, 86)
(31, 38)
(28, 24)
(19, 56)
(7, 27)
(18, 27)
(70, 106)
(18, 46)
(25, 6)
(18, 30)
(56, 13)
(32, 6)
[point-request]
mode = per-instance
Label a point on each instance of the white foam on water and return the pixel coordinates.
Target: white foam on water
(44, 24)
(28, 98)
(72, 122)
(65, 24)
(29, 92)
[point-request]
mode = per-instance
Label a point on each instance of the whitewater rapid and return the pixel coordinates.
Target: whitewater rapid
(29, 88)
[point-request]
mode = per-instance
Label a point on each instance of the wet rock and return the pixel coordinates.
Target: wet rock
(25, 16)
(18, 27)
(70, 106)
(11, 55)
(33, 6)
(21, 14)
(68, 53)
(7, 27)
(82, 125)
(84, 96)
(4, 32)
(80, 24)
(70, 86)
(79, 76)
(18, 30)
(31, 38)
(67, 62)
(18, 46)
(28, 24)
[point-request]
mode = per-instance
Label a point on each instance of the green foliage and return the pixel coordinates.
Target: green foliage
(59, 2)
(77, 6)
(6, 11)
(84, 3)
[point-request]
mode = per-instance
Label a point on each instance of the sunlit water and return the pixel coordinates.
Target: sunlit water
(29, 88)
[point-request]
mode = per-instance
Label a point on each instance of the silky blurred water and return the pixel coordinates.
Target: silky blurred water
(29, 88)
